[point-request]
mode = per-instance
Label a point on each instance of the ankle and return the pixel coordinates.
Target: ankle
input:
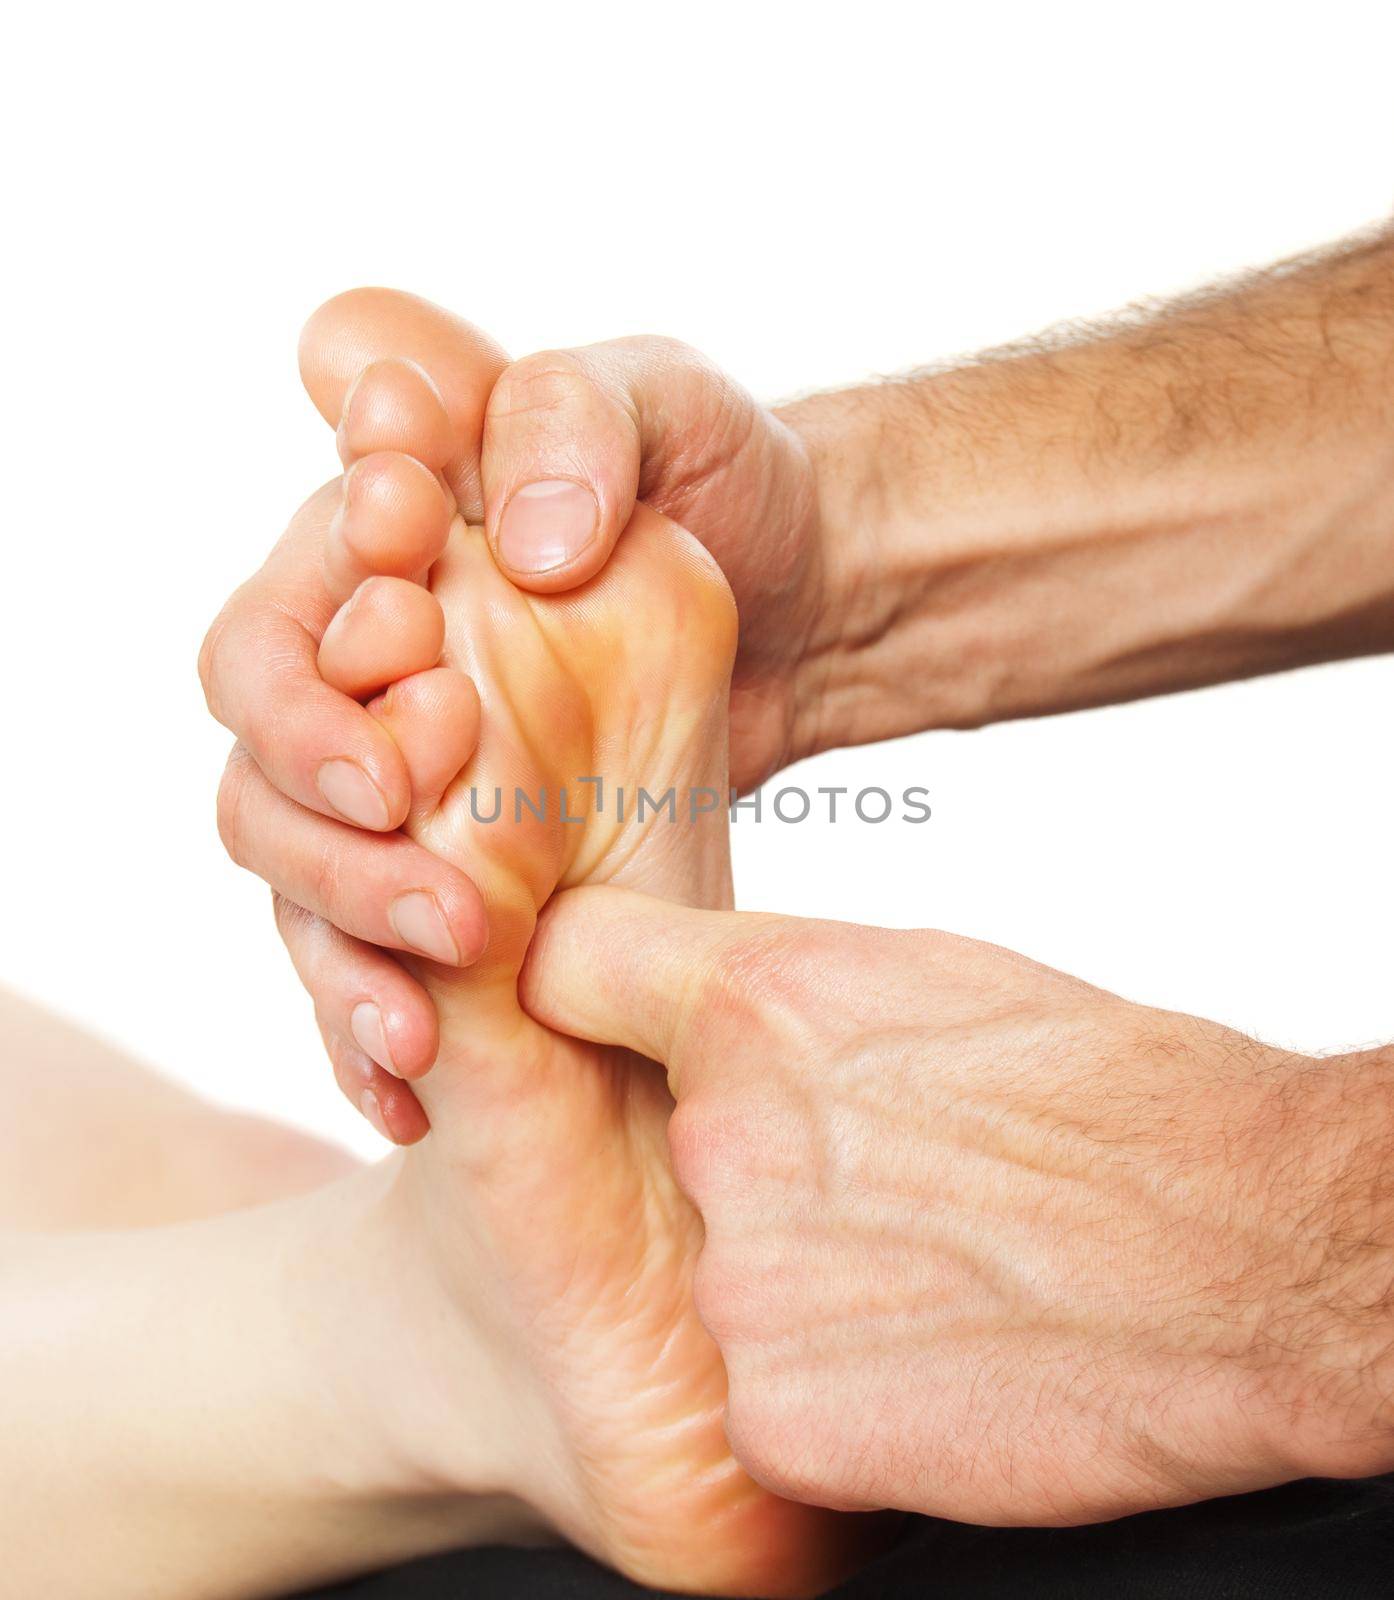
(450, 1415)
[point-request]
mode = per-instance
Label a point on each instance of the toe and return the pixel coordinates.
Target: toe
(394, 521)
(390, 629)
(393, 404)
(434, 719)
(364, 326)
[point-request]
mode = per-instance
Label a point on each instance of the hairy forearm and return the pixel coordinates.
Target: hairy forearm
(1202, 493)
(206, 1412)
(1331, 1179)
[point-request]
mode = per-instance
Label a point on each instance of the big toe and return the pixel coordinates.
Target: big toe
(363, 326)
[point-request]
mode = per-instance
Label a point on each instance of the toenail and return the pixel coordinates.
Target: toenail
(547, 524)
(368, 1105)
(366, 1022)
(419, 922)
(363, 1065)
(353, 794)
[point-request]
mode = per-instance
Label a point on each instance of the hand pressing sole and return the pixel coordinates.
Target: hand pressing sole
(543, 1200)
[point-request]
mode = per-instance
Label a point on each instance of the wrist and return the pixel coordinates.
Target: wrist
(945, 535)
(1331, 1327)
(839, 691)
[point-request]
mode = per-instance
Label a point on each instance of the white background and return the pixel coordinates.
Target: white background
(809, 193)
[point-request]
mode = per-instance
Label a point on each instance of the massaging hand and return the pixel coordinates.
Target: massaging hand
(983, 1241)
(926, 553)
(557, 447)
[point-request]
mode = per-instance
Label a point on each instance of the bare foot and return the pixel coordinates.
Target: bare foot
(544, 1194)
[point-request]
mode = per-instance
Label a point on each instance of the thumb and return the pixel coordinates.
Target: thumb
(573, 438)
(561, 463)
(621, 968)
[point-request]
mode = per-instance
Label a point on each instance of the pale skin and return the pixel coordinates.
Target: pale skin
(193, 1335)
(932, 553)
(489, 1337)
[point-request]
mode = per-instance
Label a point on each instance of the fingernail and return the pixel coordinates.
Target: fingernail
(353, 794)
(419, 922)
(368, 1105)
(546, 524)
(366, 1021)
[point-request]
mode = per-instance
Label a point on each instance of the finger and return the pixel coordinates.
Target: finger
(260, 673)
(621, 968)
(356, 329)
(573, 437)
(361, 993)
(391, 1107)
(394, 521)
(434, 719)
(389, 629)
(389, 890)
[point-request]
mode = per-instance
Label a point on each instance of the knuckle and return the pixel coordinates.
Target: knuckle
(749, 981)
(758, 1436)
(708, 394)
(749, 1442)
(695, 1149)
(671, 380)
(553, 380)
(727, 1297)
(664, 350)
(777, 1433)
(722, 1146)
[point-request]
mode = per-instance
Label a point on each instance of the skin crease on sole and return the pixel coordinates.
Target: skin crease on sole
(546, 1177)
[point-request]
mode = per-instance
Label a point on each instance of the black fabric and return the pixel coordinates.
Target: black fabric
(1317, 1540)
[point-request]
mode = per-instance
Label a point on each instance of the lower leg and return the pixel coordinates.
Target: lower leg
(90, 1139)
